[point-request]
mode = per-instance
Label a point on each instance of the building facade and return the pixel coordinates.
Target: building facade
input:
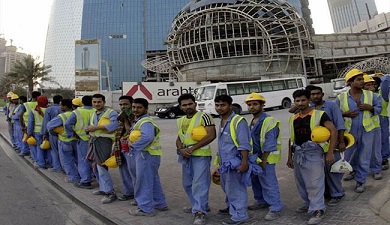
(348, 13)
(379, 23)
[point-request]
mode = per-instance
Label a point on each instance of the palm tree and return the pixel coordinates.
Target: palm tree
(29, 71)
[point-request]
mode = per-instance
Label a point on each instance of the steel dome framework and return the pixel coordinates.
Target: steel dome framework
(376, 64)
(221, 29)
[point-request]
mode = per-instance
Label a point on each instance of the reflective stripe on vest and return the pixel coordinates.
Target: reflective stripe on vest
(270, 123)
(369, 122)
(15, 111)
(314, 121)
(233, 127)
(63, 135)
(38, 119)
(186, 138)
(153, 148)
(29, 106)
(101, 133)
(82, 117)
(385, 104)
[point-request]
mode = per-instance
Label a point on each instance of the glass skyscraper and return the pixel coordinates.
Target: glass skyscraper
(126, 29)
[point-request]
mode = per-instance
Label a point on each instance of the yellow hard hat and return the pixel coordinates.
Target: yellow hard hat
(31, 141)
(14, 96)
(110, 162)
(103, 121)
(45, 145)
(254, 97)
(77, 102)
(378, 75)
(198, 133)
(9, 94)
(320, 134)
(216, 176)
(25, 136)
(352, 73)
(367, 78)
(134, 135)
(348, 139)
(58, 130)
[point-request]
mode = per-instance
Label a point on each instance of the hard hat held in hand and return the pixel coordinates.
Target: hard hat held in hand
(198, 133)
(103, 121)
(216, 176)
(349, 140)
(45, 145)
(58, 130)
(134, 135)
(320, 134)
(31, 141)
(110, 162)
(25, 136)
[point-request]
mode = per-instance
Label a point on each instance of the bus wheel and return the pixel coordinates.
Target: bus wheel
(236, 109)
(286, 103)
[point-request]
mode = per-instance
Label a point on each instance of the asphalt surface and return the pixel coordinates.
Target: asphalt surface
(353, 209)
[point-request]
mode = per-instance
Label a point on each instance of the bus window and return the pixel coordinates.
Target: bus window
(266, 86)
(221, 92)
(251, 87)
(278, 85)
(292, 83)
(235, 89)
(206, 93)
(300, 84)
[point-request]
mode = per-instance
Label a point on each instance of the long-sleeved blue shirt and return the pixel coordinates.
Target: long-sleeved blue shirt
(51, 112)
(19, 109)
(270, 142)
(31, 123)
(113, 125)
(71, 121)
(53, 123)
(385, 86)
(147, 135)
(334, 113)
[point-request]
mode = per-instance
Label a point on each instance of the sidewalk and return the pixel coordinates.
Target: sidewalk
(353, 210)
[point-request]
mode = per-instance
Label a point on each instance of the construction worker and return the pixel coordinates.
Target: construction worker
(360, 109)
(265, 132)
(34, 129)
(195, 156)
(77, 102)
(15, 123)
(333, 181)
(51, 112)
(25, 150)
(307, 157)
(233, 155)
(102, 124)
(67, 147)
(9, 108)
(28, 109)
(75, 126)
(148, 191)
(125, 160)
(384, 119)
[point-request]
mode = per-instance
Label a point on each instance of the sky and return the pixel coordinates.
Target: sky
(26, 21)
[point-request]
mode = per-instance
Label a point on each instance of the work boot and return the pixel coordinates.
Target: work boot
(257, 206)
(109, 198)
(199, 219)
(224, 211)
(139, 212)
(350, 176)
(378, 176)
(360, 187)
(316, 217)
(385, 164)
(302, 209)
(335, 201)
(272, 215)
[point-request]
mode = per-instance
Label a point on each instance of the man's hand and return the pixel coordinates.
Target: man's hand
(342, 147)
(329, 158)
(91, 128)
(351, 113)
(290, 163)
(185, 152)
(243, 167)
(364, 106)
(263, 164)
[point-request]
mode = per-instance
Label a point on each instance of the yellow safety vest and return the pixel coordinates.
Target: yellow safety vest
(153, 148)
(370, 122)
(270, 123)
(314, 121)
(38, 119)
(83, 115)
(101, 133)
(385, 104)
(186, 137)
(14, 111)
(29, 106)
(63, 135)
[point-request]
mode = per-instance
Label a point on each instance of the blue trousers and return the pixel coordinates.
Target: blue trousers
(128, 183)
(25, 148)
(309, 174)
(18, 135)
(105, 181)
(43, 156)
(11, 132)
(148, 191)
(68, 156)
(334, 180)
(359, 155)
(384, 120)
(196, 180)
(83, 165)
(54, 152)
(376, 155)
(236, 194)
(266, 188)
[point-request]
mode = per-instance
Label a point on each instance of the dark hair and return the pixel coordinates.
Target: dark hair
(99, 96)
(377, 80)
(57, 99)
(185, 97)
(141, 101)
(87, 100)
(316, 88)
(127, 97)
(67, 102)
(301, 92)
(224, 98)
(35, 94)
(23, 98)
(309, 87)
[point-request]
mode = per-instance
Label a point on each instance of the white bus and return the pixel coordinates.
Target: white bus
(278, 93)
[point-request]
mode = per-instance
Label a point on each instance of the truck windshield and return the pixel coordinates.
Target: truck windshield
(338, 84)
(205, 93)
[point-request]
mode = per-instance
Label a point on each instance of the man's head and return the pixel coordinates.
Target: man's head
(187, 104)
(316, 95)
(125, 102)
(35, 95)
(57, 99)
(377, 83)
(301, 99)
(223, 104)
(98, 101)
(23, 99)
(87, 100)
(15, 98)
(369, 83)
(255, 103)
(66, 105)
(140, 107)
(76, 102)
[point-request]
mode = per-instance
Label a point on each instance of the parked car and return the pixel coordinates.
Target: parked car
(171, 111)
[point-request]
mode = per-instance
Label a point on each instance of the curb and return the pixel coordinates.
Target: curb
(380, 203)
(86, 207)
